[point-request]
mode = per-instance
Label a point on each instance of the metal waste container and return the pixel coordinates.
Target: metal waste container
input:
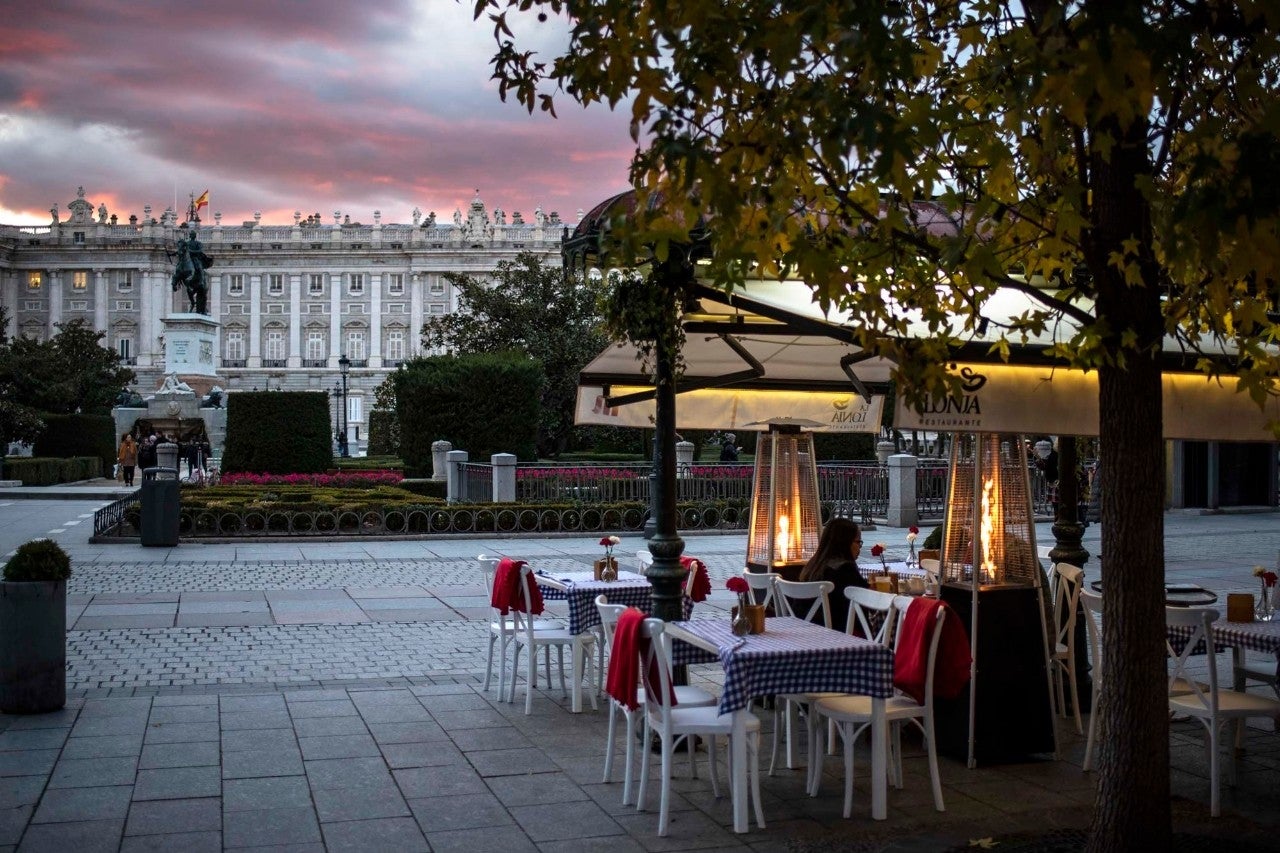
(160, 502)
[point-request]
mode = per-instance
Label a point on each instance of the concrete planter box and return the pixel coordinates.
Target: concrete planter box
(33, 646)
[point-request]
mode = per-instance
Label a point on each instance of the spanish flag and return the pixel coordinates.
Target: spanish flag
(202, 201)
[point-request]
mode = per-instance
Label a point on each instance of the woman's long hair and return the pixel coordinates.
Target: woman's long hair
(834, 547)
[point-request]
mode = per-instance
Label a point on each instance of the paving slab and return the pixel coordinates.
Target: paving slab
(175, 816)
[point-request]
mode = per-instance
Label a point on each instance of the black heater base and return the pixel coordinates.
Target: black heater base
(1013, 713)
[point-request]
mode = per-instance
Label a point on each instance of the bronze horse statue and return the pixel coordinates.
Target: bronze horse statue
(190, 274)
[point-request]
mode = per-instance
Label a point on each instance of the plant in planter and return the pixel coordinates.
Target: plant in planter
(33, 629)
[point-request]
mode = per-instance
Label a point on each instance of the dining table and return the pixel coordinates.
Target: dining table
(580, 590)
(790, 656)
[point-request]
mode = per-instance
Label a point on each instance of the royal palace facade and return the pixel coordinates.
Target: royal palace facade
(291, 299)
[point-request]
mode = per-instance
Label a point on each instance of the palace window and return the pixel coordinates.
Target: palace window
(354, 408)
(355, 346)
(124, 346)
(124, 281)
(355, 283)
(437, 287)
(316, 283)
(395, 283)
(235, 346)
(275, 345)
(395, 345)
(316, 349)
(80, 280)
(275, 284)
(35, 279)
(235, 285)
(437, 308)
(77, 237)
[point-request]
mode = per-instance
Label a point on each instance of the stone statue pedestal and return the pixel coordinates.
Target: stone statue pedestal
(190, 341)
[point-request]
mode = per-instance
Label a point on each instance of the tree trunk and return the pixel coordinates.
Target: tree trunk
(1131, 810)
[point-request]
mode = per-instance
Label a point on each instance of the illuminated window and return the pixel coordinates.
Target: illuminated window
(35, 280)
(80, 280)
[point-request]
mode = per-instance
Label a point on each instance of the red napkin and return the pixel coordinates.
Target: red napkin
(624, 662)
(911, 658)
(698, 585)
(506, 589)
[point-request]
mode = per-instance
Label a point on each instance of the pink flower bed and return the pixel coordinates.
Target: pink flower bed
(345, 479)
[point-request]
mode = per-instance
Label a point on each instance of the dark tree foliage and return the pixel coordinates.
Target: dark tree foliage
(278, 432)
(71, 372)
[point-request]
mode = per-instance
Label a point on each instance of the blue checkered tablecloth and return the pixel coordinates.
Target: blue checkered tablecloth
(1255, 636)
(630, 589)
(791, 656)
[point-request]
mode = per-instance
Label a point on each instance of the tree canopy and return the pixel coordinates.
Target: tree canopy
(1115, 160)
(70, 372)
(530, 307)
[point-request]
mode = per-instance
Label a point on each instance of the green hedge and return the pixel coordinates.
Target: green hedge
(278, 432)
(384, 433)
(427, 488)
(66, 436)
(483, 404)
(369, 463)
(43, 471)
(844, 446)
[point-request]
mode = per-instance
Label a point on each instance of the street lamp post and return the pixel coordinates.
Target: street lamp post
(337, 414)
(344, 365)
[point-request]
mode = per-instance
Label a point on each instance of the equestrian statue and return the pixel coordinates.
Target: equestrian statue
(190, 273)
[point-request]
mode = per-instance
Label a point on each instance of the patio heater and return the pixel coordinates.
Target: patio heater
(991, 577)
(786, 516)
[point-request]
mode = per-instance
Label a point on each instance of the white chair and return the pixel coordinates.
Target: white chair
(932, 574)
(644, 559)
(803, 600)
(526, 636)
(852, 714)
(501, 628)
(686, 696)
(1211, 705)
(1067, 581)
(674, 722)
(873, 614)
(1093, 622)
(761, 584)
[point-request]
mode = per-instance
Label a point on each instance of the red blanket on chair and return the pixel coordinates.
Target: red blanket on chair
(624, 661)
(698, 585)
(506, 589)
(911, 658)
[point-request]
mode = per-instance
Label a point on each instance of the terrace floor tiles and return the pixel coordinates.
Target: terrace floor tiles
(223, 620)
(421, 602)
(232, 595)
(148, 608)
(391, 592)
(250, 606)
(111, 623)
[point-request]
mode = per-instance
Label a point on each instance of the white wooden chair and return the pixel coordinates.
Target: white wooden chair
(1212, 705)
(686, 696)
(932, 574)
(762, 586)
(803, 600)
(530, 638)
(1093, 622)
(501, 628)
(674, 722)
(851, 714)
(1067, 581)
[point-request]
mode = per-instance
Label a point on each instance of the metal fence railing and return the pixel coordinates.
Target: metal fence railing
(477, 482)
(109, 520)
(854, 490)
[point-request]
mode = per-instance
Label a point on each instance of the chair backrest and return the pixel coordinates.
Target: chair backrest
(609, 614)
(817, 594)
(1093, 622)
(1068, 580)
(932, 570)
(873, 612)
(654, 663)
(522, 619)
(489, 568)
(902, 603)
(644, 559)
(1194, 626)
(761, 584)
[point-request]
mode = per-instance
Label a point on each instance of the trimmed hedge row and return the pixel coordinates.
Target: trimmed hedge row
(427, 488)
(309, 498)
(67, 436)
(43, 471)
(384, 433)
(278, 432)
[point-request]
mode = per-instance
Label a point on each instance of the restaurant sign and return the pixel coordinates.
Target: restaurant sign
(737, 409)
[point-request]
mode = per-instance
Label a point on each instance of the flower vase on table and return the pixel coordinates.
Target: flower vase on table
(606, 568)
(740, 624)
(1265, 610)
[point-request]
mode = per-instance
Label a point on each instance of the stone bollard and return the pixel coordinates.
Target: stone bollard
(884, 449)
(684, 458)
(438, 451)
(456, 488)
(504, 477)
(902, 491)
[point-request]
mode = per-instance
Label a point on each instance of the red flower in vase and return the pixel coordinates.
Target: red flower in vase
(737, 584)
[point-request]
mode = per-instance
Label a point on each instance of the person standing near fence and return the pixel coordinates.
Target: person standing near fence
(729, 450)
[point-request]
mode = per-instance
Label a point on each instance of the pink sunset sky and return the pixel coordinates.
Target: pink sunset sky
(307, 105)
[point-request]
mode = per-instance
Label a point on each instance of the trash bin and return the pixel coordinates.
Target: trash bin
(167, 456)
(160, 502)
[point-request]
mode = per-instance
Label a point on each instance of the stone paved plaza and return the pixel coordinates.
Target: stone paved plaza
(330, 696)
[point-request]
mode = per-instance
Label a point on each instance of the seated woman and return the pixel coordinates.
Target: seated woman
(836, 560)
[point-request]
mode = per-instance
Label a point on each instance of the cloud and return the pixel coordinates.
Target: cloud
(284, 106)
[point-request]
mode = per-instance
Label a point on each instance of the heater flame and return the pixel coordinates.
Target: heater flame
(783, 540)
(989, 525)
